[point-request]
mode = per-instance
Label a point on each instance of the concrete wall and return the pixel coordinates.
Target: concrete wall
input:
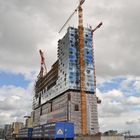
(88, 138)
(112, 138)
(100, 138)
(92, 114)
(63, 109)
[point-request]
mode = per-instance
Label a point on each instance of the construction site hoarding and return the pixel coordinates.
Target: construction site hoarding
(55, 130)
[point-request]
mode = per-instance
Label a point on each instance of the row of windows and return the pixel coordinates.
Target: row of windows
(72, 29)
(73, 62)
(88, 53)
(72, 58)
(88, 36)
(72, 52)
(88, 43)
(90, 85)
(73, 45)
(72, 41)
(73, 74)
(87, 61)
(73, 49)
(89, 65)
(88, 57)
(73, 82)
(74, 70)
(88, 50)
(77, 78)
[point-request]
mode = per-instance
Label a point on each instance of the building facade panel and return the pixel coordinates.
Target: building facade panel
(65, 73)
(68, 108)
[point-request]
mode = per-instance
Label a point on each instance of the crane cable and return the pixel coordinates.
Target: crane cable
(68, 20)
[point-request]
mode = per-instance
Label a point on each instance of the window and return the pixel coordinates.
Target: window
(71, 82)
(87, 84)
(87, 52)
(88, 71)
(71, 52)
(41, 111)
(77, 82)
(76, 107)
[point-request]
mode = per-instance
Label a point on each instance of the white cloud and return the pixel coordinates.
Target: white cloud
(128, 121)
(113, 94)
(111, 103)
(125, 83)
(117, 111)
(131, 81)
(16, 102)
(132, 121)
(132, 100)
(23, 33)
(137, 85)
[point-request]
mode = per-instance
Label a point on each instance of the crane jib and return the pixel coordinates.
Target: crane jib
(82, 1)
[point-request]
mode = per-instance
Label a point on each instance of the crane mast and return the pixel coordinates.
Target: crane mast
(82, 70)
(82, 64)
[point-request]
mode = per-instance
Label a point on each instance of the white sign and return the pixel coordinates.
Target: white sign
(60, 132)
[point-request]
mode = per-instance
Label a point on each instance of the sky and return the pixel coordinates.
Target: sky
(29, 25)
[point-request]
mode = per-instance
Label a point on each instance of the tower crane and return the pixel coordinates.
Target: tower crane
(82, 69)
(43, 69)
(80, 3)
(92, 33)
(81, 62)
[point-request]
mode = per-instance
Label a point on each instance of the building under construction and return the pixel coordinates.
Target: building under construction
(67, 92)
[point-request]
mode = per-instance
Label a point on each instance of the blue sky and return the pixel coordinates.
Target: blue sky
(116, 83)
(111, 84)
(13, 79)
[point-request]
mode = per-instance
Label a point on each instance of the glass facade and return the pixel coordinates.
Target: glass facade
(68, 68)
(68, 47)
